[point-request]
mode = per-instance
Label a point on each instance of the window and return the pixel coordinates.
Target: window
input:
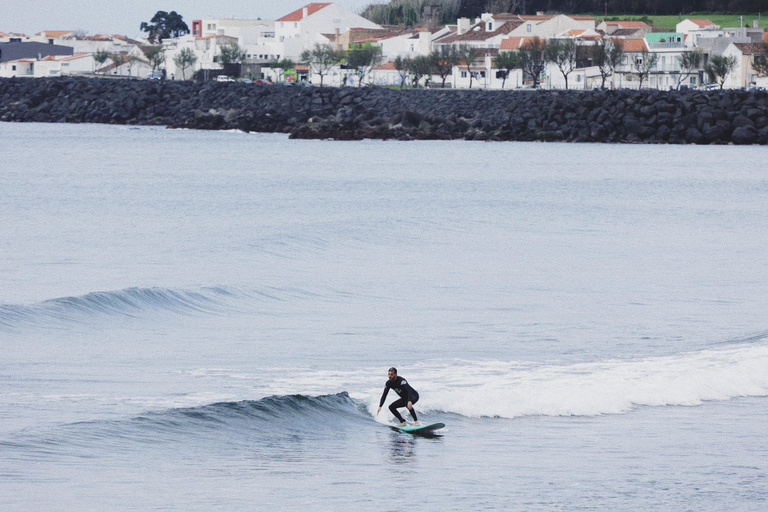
(463, 74)
(490, 26)
(482, 74)
(530, 28)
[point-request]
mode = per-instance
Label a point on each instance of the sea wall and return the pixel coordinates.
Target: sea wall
(648, 116)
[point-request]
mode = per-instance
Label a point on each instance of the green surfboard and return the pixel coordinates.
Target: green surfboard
(426, 429)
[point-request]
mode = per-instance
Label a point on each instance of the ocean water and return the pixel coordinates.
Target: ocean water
(204, 320)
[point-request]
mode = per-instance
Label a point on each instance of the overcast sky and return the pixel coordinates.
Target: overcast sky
(124, 17)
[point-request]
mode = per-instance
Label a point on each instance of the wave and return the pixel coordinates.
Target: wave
(250, 421)
(511, 390)
(270, 414)
(136, 302)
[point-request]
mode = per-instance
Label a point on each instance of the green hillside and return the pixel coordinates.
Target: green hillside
(667, 23)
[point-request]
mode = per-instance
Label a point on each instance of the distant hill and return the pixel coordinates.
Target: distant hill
(412, 12)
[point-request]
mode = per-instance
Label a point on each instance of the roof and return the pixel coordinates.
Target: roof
(701, 22)
(298, 14)
(752, 48)
(513, 43)
(629, 24)
(636, 44)
(477, 32)
(624, 32)
(387, 66)
(53, 33)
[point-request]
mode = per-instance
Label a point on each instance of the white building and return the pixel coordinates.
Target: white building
(53, 65)
(305, 27)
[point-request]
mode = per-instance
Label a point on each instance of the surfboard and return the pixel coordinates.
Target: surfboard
(426, 429)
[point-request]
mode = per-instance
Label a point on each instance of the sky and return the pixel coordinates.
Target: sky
(124, 17)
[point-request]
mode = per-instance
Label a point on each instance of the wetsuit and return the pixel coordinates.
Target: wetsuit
(406, 394)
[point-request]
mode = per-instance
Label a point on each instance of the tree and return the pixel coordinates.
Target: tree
(689, 62)
(229, 56)
(533, 59)
(644, 64)
(507, 61)
(321, 59)
(468, 54)
(184, 59)
(363, 60)
(443, 61)
(719, 67)
(606, 55)
(118, 59)
(101, 57)
(421, 66)
(156, 56)
(279, 67)
(760, 62)
(164, 25)
(562, 54)
(402, 65)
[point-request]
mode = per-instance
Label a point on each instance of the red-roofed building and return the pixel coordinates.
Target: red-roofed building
(303, 28)
(688, 26)
(307, 10)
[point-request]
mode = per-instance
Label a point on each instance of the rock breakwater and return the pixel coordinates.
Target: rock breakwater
(648, 116)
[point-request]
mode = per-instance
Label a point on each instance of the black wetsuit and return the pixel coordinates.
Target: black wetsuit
(406, 394)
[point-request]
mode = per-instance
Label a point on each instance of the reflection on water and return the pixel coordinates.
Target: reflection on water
(403, 447)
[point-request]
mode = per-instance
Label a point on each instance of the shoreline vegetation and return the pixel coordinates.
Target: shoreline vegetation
(614, 116)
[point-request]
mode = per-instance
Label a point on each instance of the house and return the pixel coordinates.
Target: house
(304, 28)
(52, 36)
(386, 75)
(398, 42)
(52, 65)
(99, 42)
(624, 28)
(31, 50)
(13, 38)
(255, 37)
(744, 75)
(206, 50)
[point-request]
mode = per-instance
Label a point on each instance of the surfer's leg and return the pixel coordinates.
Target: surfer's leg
(413, 411)
(393, 409)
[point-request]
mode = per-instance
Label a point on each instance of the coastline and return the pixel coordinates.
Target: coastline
(619, 116)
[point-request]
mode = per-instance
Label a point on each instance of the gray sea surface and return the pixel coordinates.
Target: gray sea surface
(199, 321)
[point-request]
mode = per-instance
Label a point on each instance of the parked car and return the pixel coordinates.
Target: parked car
(259, 81)
(155, 75)
(224, 78)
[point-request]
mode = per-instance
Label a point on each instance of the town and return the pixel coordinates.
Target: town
(326, 44)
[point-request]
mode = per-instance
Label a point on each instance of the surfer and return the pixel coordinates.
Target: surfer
(408, 396)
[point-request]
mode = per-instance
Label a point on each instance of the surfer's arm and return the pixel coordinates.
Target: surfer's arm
(383, 397)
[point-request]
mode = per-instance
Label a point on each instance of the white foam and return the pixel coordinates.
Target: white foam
(510, 390)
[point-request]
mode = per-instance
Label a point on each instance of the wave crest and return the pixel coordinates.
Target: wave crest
(129, 302)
